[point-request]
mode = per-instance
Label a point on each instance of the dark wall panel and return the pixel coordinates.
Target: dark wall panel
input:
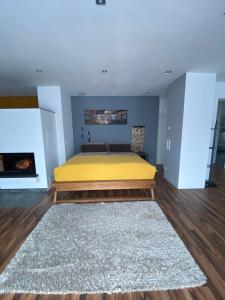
(141, 111)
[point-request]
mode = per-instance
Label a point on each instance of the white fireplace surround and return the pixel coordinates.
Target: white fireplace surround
(30, 130)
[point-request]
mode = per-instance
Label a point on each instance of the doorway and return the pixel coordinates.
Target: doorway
(219, 153)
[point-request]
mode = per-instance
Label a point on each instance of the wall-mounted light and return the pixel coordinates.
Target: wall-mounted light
(82, 133)
(89, 137)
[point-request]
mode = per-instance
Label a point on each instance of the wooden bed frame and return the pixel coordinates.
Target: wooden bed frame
(134, 184)
(104, 185)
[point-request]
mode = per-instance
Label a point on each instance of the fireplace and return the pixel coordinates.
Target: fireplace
(17, 165)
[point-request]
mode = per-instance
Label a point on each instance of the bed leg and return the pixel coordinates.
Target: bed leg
(55, 197)
(152, 194)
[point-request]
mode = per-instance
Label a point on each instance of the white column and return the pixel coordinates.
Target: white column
(55, 99)
(67, 123)
(191, 101)
(196, 132)
(162, 124)
(49, 97)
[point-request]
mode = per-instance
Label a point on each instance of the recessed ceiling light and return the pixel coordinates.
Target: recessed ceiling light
(100, 2)
(38, 71)
(167, 72)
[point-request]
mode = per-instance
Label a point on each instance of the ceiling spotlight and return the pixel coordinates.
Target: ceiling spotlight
(168, 72)
(104, 71)
(38, 71)
(100, 2)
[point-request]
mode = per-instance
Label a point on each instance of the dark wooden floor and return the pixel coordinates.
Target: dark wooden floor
(198, 216)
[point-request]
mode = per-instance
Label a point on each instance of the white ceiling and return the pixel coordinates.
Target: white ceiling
(72, 41)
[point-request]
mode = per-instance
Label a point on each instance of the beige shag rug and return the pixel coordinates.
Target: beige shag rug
(94, 248)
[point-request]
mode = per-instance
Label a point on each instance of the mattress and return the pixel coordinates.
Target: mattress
(104, 167)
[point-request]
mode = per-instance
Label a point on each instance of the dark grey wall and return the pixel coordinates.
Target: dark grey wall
(141, 111)
(176, 95)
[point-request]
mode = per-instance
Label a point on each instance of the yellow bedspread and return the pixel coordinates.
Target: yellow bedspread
(108, 167)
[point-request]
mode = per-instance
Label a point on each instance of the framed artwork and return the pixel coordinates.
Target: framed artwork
(105, 117)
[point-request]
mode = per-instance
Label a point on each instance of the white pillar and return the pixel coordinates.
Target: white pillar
(191, 101)
(54, 99)
(196, 133)
(162, 123)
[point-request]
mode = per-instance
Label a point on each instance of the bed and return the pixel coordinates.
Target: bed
(104, 170)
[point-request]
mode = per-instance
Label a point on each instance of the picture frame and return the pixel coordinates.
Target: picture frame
(105, 117)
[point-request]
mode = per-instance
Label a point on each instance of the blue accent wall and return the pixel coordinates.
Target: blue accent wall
(141, 111)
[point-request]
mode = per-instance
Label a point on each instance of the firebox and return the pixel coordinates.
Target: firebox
(17, 165)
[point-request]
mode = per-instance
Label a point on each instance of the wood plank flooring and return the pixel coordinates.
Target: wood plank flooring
(198, 216)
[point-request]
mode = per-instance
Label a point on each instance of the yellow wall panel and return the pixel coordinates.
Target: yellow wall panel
(18, 102)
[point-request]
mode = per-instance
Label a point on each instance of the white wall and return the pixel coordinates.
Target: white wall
(54, 99)
(196, 132)
(162, 128)
(50, 141)
(190, 109)
(50, 98)
(21, 131)
(176, 94)
(67, 123)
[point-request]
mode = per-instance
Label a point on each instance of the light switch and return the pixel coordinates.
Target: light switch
(168, 144)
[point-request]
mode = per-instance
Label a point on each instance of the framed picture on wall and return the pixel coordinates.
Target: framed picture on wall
(105, 117)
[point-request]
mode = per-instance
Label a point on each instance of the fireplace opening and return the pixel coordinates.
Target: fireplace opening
(17, 165)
